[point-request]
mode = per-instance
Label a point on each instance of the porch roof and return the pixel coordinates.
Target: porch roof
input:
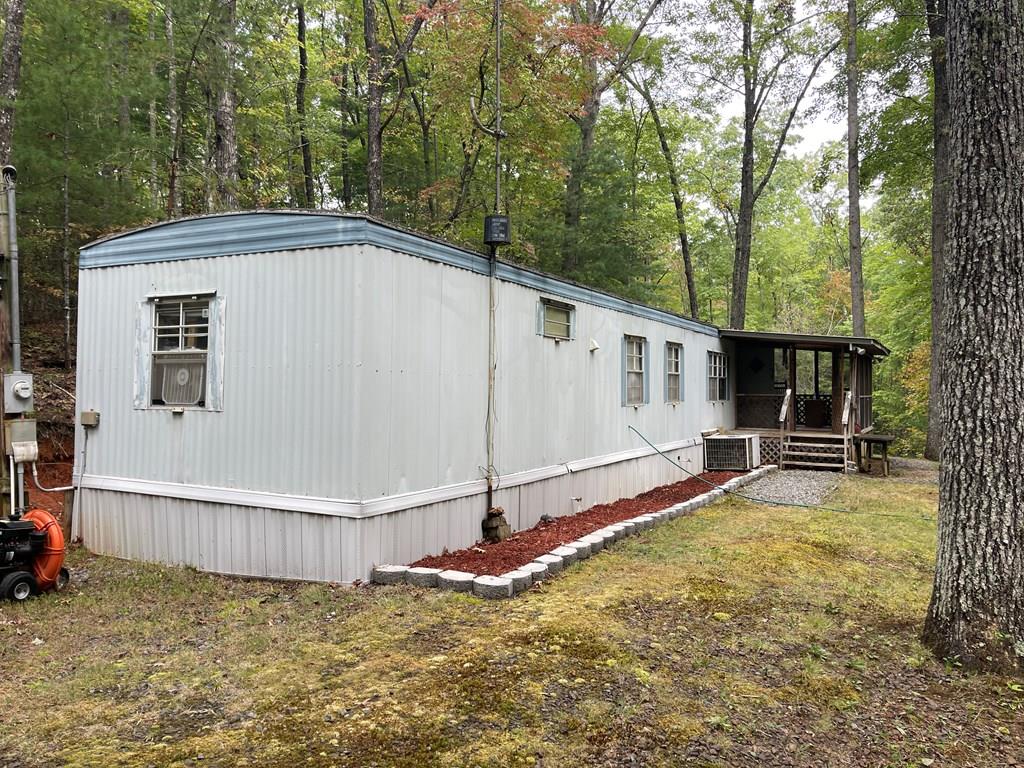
(809, 340)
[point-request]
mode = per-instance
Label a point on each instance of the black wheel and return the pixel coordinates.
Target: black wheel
(63, 579)
(18, 586)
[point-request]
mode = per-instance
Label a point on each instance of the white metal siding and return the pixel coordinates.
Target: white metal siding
(254, 541)
(357, 372)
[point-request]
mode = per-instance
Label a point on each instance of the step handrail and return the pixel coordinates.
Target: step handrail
(784, 412)
(783, 418)
(847, 429)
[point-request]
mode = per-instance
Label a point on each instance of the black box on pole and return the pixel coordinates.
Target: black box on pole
(497, 230)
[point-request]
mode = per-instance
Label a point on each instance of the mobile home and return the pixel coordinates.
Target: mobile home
(305, 395)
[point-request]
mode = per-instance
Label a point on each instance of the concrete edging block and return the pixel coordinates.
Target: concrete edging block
(569, 555)
(457, 581)
(422, 577)
(389, 574)
(596, 542)
(538, 571)
(521, 580)
(492, 587)
(582, 548)
(553, 562)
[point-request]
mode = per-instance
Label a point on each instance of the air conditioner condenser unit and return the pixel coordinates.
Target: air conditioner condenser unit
(739, 453)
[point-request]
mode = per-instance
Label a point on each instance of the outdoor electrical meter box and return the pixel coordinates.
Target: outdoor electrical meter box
(18, 393)
(497, 230)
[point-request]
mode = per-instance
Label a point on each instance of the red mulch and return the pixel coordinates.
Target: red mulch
(522, 547)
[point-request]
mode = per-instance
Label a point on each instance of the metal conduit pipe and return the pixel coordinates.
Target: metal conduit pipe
(35, 478)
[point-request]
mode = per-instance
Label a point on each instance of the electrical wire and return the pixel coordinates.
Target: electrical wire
(765, 501)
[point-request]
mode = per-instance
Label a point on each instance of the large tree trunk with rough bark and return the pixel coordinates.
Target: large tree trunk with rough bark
(853, 171)
(748, 197)
(936, 15)
(976, 613)
(225, 156)
(374, 97)
(10, 73)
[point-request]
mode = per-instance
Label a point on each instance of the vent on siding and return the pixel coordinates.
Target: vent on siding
(181, 378)
(735, 452)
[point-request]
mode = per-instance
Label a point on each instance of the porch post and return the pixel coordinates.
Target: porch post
(837, 390)
(817, 386)
(791, 422)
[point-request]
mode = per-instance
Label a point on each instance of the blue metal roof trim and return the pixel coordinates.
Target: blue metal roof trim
(268, 231)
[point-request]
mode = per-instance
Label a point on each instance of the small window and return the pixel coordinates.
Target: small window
(718, 376)
(556, 319)
(181, 336)
(673, 372)
(636, 371)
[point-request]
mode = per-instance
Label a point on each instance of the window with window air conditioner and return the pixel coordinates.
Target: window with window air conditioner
(181, 335)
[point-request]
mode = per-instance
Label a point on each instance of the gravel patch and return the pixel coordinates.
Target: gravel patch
(794, 486)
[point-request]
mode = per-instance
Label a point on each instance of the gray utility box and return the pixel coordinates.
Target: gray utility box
(19, 394)
(18, 431)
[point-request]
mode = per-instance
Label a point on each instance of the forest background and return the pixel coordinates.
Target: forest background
(657, 149)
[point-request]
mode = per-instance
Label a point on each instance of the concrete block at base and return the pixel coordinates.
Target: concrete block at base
(457, 581)
(596, 542)
(492, 587)
(521, 580)
(582, 548)
(422, 577)
(628, 527)
(553, 562)
(608, 537)
(538, 571)
(389, 574)
(618, 529)
(569, 555)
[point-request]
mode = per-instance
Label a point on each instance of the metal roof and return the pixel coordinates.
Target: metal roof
(808, 340)
(243, 232)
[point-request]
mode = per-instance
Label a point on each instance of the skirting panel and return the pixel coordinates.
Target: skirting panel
(255, 541)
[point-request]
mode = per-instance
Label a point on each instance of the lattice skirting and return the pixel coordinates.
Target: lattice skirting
(770, 450)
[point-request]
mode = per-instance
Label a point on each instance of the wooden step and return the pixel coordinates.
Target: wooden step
(821, 464)
(814, 445)
(823, 454)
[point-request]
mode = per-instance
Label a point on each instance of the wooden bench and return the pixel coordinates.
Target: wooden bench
(870, 440)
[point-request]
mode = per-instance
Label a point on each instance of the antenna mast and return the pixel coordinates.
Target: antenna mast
(496, 233)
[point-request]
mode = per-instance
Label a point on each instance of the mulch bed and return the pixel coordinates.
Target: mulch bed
(520, 548)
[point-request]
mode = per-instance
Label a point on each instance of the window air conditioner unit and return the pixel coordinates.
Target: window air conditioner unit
(732, 452)
(181, 379)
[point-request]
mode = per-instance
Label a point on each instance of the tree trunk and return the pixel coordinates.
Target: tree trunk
(853, 171)
(300, 109)
(225, 140)
(374, 97)
(173, 118)
(377, 75)
(936, 14)
(10, 74)
(976, 613)
(587, 124)
(745, 217)
(677, 195)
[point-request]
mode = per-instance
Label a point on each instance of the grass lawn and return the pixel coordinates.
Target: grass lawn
(745, 635)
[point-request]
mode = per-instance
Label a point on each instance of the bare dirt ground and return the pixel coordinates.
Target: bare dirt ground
(746, 635)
